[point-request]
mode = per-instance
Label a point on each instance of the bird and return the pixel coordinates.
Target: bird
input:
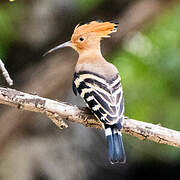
(98, 82)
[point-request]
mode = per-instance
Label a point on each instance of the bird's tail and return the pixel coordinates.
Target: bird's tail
(115, 145)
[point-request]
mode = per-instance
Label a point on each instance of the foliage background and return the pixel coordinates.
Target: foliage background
(148, 59)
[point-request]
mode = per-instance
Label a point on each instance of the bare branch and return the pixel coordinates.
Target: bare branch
(57, 111)
(63, 63)
(5, 73)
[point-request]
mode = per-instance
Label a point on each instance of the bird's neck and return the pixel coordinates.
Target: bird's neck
(91, 56)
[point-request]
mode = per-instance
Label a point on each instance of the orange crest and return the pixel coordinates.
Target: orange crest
(102, 29)
(88, 36)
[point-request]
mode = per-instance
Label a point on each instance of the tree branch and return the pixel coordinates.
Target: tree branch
(57, 111)
(5, 73)
(35, 78)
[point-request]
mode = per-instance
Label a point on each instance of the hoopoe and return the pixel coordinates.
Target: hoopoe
(98, 82)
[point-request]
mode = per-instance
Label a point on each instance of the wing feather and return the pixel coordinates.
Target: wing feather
(104, 98)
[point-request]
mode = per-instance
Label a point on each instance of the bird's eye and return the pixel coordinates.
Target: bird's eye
(81, 39)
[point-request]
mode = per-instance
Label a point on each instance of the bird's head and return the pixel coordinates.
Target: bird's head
(88, 36)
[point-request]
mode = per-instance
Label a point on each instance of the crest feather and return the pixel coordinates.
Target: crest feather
(102, 29)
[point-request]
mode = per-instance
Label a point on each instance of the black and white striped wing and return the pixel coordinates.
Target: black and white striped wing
(104, 98)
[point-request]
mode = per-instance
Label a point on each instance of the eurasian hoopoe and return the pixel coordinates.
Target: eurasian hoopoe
(98, 82)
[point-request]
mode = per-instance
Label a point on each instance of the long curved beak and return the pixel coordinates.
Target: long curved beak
(66, 44)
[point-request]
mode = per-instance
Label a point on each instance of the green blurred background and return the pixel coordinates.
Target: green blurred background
(147, 54)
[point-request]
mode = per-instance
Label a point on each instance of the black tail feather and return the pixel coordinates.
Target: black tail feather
(110, 142)
(115, 145)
